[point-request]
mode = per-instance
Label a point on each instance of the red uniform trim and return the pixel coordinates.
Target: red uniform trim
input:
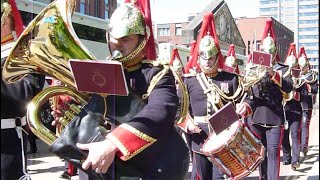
(296, 95)
(129, 140)
(249, 110)
(277, 79)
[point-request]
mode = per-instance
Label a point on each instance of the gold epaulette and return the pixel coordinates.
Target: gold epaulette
(156, 78)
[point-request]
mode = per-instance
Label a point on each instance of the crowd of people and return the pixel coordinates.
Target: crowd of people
(177, 102)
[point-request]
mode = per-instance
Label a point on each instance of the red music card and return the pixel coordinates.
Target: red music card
(295, 72)
(262, 58)
(99, 76)
(223, 118)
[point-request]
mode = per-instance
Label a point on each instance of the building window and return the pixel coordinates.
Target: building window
(97, 8)
(164, 31)
(308, 29)
(308, 36)
(106, 14)
(106, 9)
(309, 6)
(308, 44)
(312, 52)
(83, 6)
(308, 21)
(178, 30)
(249, 47)
(309, 14)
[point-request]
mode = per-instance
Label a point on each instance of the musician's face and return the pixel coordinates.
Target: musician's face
(207, 63)
(125, 44)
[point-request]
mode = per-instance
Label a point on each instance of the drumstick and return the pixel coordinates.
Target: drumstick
(244, 96)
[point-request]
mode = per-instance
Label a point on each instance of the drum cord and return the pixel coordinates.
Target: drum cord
(26, 176)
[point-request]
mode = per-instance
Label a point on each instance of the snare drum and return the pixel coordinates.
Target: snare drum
(235, 151)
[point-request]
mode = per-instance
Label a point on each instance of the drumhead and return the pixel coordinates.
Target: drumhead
(215, 142)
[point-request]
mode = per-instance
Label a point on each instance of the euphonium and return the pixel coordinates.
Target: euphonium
(45, 47)
(253, 74)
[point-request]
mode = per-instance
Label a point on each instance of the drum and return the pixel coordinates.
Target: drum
(235, 151)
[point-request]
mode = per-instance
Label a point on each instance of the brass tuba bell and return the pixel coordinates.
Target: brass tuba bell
(45, 47)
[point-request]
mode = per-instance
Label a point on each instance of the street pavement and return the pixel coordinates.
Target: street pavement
(46, 166)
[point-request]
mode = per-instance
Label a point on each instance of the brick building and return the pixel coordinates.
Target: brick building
(251, 30)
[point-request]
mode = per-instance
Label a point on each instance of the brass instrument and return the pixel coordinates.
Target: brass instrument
(45, 47)
(253, 74)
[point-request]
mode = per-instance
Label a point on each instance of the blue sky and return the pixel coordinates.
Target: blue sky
(168, 9)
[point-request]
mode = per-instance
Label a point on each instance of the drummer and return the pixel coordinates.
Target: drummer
(203, 79)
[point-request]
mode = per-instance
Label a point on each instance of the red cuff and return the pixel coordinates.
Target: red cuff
(248, 109)
(129, 140)
(277, 79)
(296, 95)
(183, 124)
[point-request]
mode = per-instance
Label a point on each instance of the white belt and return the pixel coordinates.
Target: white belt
(201, 119)
(11, 123)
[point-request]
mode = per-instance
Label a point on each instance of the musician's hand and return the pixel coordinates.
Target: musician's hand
(57, 114)
(193, 127)
(101, 155)
(270, 71)
(241, 109)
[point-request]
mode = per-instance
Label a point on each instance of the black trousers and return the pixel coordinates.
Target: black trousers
(11, 154)
(203, 169)
(305, 123)
(294, 128)
(271, 138)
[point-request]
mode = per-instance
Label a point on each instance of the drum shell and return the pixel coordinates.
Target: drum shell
(235, 151)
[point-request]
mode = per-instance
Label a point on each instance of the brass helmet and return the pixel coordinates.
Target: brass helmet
(303, 62)
(126, 20)
(291, 59)
(303, 59)
(268, 45)
(231, 60)
(208, 47)
(5, 11)
(9, 7)
(177, 65)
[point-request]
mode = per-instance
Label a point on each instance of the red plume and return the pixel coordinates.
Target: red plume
(18, 23)
(207, 27)
(302, 52)
(269, 29)
(292, 49)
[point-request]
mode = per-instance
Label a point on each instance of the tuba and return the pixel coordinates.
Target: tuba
(45, 47)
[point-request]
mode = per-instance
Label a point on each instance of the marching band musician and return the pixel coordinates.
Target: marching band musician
(149, 141)
(14, 98)
(201, 82)
(266, 106)
(310, 88)
(176, 63)
(293, 114)
(231, 63)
